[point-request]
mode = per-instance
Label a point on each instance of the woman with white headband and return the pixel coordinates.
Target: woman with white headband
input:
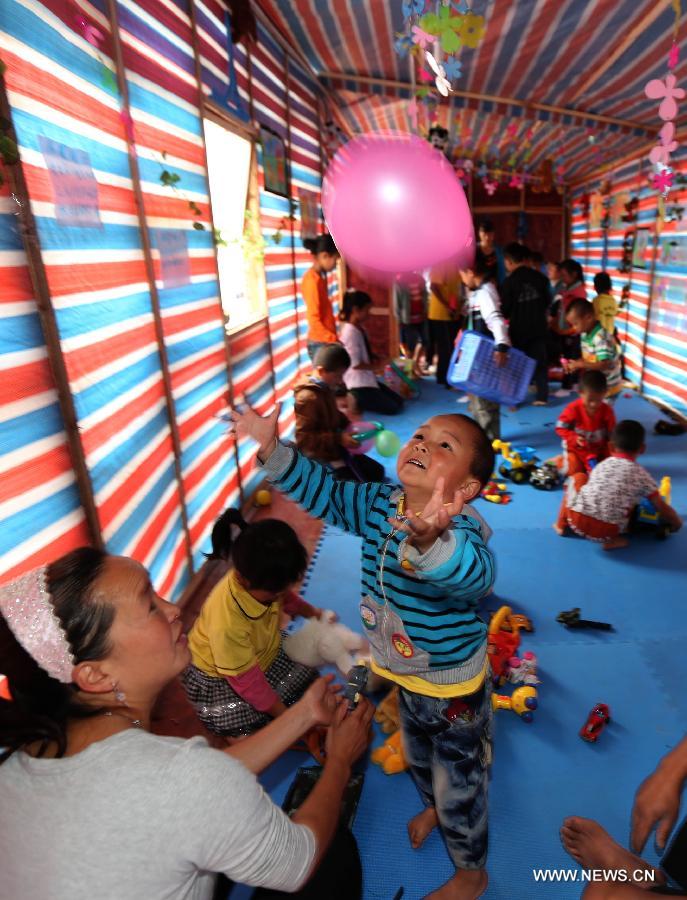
(93, 805)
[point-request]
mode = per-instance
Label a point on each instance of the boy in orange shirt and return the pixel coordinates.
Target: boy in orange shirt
(318, 306)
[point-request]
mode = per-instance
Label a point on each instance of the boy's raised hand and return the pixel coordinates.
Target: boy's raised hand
(425, 527)
(263, 429)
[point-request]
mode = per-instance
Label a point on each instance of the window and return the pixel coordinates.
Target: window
(234, 193)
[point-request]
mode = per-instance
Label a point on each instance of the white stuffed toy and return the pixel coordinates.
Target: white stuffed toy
(327, 642)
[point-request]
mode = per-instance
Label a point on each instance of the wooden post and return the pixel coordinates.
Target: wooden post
(51, 336)
(294, 274)
(227, 344)
(649, 299)
(150, 273)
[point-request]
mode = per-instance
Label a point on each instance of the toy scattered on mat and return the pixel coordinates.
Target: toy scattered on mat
(503, 640)
(472, 369)
(355, 684)
(398, 376)
(518, 461)
(671, 428)
(390, 755)
(387, 443)
(545, 477)
(321, 642)
(572, 619)
(523, 670)
(263, 497)
(496, 492)
(597, 720)
(523, 702)
(647, 517)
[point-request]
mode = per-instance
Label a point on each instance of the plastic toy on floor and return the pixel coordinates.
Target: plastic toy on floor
(545, 477)
(503, 640)
(496, 492)
(523, 670)
(647, 517)
(390, 755)
(518, 461)
(597, 720)
(571, 618)
(522, 702)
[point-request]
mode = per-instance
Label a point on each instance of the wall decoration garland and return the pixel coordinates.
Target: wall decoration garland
(666, 91)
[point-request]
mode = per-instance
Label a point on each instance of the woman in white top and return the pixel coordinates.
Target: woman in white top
(360, 379)
(93, 805)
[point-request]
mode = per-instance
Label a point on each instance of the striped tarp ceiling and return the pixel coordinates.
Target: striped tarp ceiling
(586, 56)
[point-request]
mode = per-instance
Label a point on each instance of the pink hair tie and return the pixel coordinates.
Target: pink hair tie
(26, 607)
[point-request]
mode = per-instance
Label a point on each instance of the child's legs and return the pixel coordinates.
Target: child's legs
(449, 762)
(487, 414)
(574, 463)
(578, 479)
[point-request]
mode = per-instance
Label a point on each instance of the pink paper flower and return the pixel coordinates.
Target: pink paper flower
(656, 89)
(421, 38)
(516, 181)
(490, 187)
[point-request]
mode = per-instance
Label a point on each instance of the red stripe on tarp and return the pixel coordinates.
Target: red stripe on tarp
(76, 536)
(113, 424)
(35, 471)
(27, 380)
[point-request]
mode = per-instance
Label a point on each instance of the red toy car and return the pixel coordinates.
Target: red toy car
(597, 720)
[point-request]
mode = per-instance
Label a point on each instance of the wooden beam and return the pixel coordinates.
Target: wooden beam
(150, 274)
(51, 336)
(654, 11)
(492, 98)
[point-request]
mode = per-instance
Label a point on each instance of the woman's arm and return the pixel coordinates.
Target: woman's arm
(316, 707)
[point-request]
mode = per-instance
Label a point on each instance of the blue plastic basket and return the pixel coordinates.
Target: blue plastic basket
(473, 369)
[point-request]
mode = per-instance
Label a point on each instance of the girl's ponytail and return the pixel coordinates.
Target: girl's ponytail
(221, 533)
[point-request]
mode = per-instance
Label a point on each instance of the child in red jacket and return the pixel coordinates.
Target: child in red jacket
(586, 424)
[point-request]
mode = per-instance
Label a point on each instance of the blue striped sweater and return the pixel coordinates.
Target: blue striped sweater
(421, 622)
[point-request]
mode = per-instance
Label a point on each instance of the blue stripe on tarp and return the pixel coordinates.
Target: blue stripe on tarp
(22, 526)
(93, 397)
(162, 108)
(149, 434)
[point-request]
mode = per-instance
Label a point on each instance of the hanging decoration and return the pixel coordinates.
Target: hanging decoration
(667, 92)
(435, 32)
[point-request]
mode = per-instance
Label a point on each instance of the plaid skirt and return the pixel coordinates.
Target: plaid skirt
(225, 712)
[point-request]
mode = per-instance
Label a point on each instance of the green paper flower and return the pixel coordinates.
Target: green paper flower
(445, 26)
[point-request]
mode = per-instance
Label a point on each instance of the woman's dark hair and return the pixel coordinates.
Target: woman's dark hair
(269, 555)
(602, 283)
(572, 267)
(485, 225)
(221, 533)
(353, 300)
(41, 705)
(628, 436)
(332, 358)
(321, 244)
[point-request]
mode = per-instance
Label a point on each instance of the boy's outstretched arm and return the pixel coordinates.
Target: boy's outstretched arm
(344, 504)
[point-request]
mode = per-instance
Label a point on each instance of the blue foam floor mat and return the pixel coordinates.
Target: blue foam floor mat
(543, 771)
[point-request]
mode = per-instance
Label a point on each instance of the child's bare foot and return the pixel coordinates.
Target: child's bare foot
(615, 543)
(466, 884)
(421, 826)
(593, 848)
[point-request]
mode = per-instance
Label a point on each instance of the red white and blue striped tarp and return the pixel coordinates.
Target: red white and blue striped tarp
(653, 323)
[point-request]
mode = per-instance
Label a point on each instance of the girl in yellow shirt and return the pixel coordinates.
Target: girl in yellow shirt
(240, 677)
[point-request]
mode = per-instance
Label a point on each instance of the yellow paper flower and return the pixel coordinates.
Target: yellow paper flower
(472, 30)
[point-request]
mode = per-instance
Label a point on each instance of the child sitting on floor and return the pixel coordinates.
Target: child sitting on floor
(585, 425)
(240, 677)
(599, 348)
(599, 507)
(425, 567)
(320, 424)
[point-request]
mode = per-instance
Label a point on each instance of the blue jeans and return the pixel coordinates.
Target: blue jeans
(449, 763)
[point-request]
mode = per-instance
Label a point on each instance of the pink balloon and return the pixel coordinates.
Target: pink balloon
(394, 205)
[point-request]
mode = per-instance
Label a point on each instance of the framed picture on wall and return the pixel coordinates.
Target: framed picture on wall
(274, 162)
(640, 254)
(310, 217)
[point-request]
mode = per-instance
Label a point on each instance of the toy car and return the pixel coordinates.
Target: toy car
(545, 477)
(597, 720)
(646, 516)
(355, 685)
(518, 462)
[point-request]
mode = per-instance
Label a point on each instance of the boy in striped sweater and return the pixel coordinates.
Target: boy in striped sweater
(425, 567)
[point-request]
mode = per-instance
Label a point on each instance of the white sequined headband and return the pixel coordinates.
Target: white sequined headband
(26, 607)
